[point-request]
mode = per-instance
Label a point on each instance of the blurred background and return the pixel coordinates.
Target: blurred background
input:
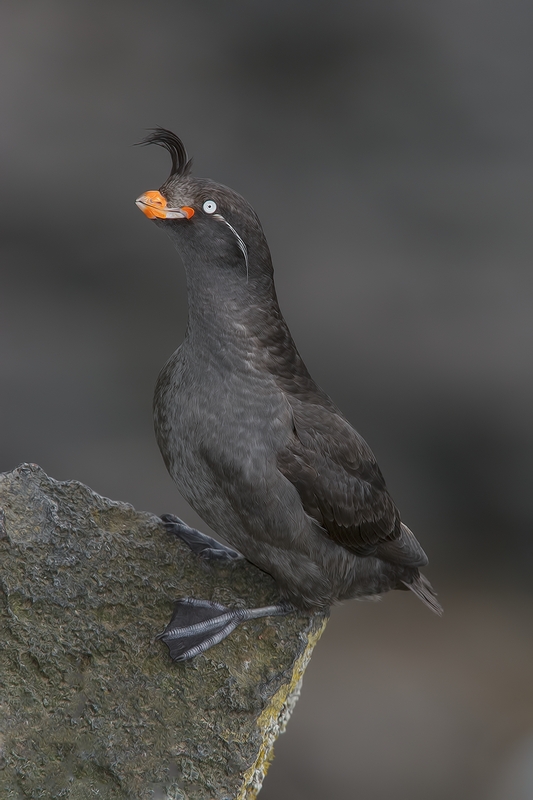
(387, 147)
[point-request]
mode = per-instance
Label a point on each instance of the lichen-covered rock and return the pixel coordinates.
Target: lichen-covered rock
(91, 704)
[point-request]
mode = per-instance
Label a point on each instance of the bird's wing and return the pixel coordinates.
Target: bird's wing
(342, 488)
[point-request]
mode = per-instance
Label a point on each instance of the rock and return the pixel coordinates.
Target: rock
(91, 703)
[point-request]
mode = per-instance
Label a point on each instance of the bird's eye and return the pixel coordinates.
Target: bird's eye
(209, 206)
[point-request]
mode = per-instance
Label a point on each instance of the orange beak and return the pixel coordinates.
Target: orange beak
(154, 205)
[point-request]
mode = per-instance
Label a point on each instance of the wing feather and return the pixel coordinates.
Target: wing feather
(329, 463)
(342, 488)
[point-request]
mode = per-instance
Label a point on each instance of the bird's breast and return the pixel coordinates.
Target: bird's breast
(218, 413)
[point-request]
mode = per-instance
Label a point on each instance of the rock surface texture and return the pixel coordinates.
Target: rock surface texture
(91, 704)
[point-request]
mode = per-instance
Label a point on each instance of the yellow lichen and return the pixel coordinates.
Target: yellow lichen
(273, 720)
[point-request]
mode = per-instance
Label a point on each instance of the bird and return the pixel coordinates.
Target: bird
(256, 447)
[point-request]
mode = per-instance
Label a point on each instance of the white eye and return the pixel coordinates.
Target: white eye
(209, 206)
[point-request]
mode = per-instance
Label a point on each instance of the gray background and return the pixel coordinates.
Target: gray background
(387, 147)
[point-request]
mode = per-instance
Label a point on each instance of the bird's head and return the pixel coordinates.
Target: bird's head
(205, 219)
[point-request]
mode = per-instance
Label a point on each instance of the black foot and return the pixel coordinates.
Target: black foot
(202, 545)
(197, 625)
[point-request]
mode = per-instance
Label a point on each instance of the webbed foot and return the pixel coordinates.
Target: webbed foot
(200, 543)
(197, 625)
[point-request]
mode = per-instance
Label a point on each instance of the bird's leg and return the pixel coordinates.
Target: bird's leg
(197, 625)
(202, 545)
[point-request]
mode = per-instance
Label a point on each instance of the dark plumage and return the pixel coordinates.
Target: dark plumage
(256, 447)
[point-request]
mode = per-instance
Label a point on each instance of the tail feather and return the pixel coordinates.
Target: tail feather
(424, 590)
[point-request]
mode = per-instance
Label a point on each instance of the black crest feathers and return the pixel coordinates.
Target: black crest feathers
(181, 164)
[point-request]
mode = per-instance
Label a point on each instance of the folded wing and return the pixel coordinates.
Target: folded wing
(342, 488)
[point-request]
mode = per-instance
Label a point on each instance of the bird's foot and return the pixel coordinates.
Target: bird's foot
(197, 625)
(200, 543)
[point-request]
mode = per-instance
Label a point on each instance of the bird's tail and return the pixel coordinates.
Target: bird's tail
(424, 590)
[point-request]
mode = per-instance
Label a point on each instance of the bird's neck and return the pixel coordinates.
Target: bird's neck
(239, 320)
(223, 302)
